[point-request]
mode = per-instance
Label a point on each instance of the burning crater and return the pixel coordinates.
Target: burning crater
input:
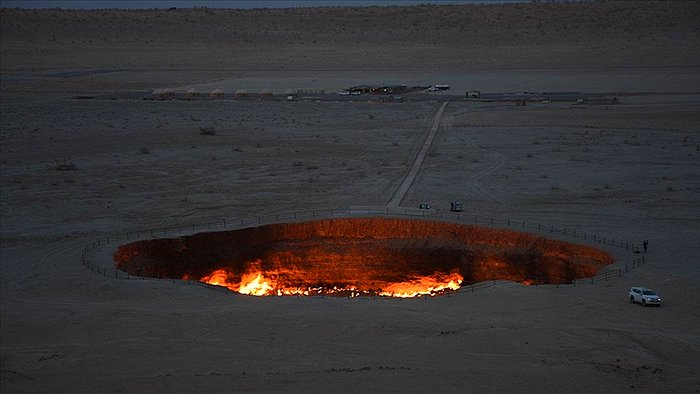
(360, 257)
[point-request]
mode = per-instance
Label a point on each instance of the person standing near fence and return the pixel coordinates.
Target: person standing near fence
(645, 245)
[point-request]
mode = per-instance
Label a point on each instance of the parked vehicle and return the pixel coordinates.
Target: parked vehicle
(424, 206)
(456, 206)
(644, 296)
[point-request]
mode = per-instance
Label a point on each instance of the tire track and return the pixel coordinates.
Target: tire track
(418, 162)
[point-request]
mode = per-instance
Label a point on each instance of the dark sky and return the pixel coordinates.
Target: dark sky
(91, 4)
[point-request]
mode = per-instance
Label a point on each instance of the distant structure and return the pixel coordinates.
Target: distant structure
(163, 94)
(291, 94)
(216, 93)
(266, 93)
(377, 89)
(435, 88)
(241, 93)
(473, 94)
(191, 94)
(311, 91)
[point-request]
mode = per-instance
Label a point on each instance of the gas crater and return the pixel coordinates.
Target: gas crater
(361, 257)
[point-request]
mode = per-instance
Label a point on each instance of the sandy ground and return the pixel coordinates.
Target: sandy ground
(628, 171)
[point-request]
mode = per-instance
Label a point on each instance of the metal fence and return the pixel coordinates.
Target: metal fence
(88, 251)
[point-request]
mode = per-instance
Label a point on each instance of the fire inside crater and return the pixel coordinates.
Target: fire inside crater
(361, 257)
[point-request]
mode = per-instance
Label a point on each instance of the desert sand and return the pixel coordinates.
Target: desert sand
(629, 171)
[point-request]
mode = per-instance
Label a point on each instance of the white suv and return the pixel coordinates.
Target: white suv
(644, 296)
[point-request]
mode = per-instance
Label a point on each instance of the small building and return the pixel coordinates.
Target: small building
(392, 89)
(191, 94)
(163, 94)
(363, 89)
(473, 94)
(435, 88)
(216, 93)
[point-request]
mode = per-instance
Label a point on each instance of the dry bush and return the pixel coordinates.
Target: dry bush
(65, 165)
(207, 130)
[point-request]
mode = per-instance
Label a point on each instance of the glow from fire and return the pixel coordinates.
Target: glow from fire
(427, 285)
(356, 257)
(259, 283)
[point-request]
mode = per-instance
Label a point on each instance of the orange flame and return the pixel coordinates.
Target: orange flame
(258, 283)
(427, 285)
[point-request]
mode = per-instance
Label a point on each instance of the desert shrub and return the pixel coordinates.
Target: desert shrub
(207, 130)
(65, 165)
